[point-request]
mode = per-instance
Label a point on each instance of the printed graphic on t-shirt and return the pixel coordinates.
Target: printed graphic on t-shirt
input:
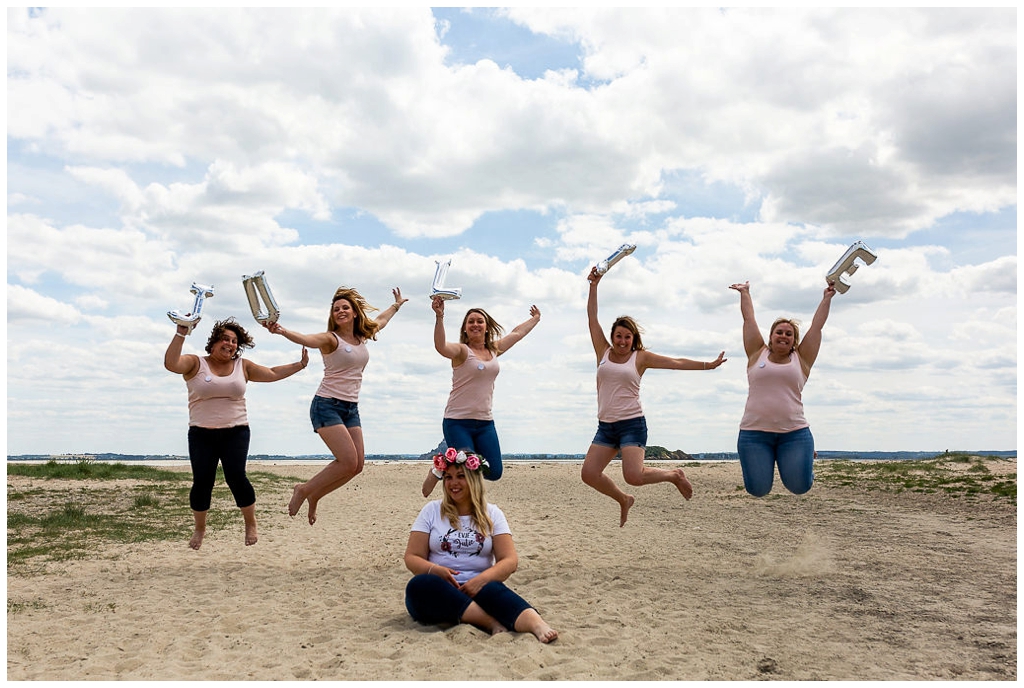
(462, 542)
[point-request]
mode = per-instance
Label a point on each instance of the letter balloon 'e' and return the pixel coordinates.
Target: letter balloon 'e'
(847, 265)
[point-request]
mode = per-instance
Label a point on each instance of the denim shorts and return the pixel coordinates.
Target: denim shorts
(326, 411)
(631, 432)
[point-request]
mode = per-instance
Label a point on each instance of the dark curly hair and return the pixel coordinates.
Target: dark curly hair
(220, 327)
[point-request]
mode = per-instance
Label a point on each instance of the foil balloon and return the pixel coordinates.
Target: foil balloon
(620, 253)
(191, 319)
(256, 287)
(847, 265)
(438, 289)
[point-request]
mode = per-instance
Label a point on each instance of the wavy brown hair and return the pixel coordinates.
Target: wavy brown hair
(364, 327)
(632, 326)
(222, 326)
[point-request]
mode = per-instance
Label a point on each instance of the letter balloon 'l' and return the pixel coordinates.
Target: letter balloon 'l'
(438, 289)
(191, 319)
(620, 253)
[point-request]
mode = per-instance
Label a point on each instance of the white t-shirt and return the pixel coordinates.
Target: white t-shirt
(463, 549)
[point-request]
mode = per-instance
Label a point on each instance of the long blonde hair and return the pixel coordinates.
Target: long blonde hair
(364, 326)
(478, 504)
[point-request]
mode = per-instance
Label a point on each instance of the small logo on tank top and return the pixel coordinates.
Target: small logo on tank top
(348, 349)
(479, 366)
(208, 378)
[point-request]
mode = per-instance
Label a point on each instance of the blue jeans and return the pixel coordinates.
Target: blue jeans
(479, 436)
(433, 600)
(760, 452)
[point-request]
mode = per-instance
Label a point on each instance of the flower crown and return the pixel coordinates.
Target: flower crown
(452, 457)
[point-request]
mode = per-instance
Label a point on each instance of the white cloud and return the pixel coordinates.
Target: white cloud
(154, 148)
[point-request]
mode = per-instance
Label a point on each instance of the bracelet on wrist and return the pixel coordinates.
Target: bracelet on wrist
(179, 334)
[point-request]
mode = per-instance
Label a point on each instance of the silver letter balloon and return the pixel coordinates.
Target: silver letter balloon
(847, 265)
(191, 319)
(255, 287)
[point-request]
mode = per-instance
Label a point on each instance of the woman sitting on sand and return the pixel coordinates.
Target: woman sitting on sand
(468, 424)
(334, 410)
(218, 425)
(621, 424)
(461, 550)
(773, 430)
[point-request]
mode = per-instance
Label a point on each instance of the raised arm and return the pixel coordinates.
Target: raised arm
(646, 359)
(186, 365)
(324, 341)
(385, 316)
(597, 337)
(519, 331)
(753, 342)
(257, 373)
(810, 343)
(453, 350)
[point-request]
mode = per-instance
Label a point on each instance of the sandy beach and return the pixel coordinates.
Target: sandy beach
(843, 583)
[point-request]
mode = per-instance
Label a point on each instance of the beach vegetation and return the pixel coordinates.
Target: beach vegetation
(958, 475)
(74, 510)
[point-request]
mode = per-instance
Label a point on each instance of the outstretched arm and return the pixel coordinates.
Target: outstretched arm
(385, 316)
(174, 361)
(324, 341)
(597, 337)
(257, 373)
(810, 344)
(646, 359)
(519, 331)
(753, 342)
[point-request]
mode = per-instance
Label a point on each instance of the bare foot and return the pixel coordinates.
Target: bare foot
(685, 488)
(624, 510)
(250, 534)
(530, 621)
(497, 628)
(296, 500)
(312, 510)
(197, 539)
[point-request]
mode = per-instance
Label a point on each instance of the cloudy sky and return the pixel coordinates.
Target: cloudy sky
(148, 149)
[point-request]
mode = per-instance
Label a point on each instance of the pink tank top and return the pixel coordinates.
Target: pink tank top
(472, 389)
(618, 389)
(343, 371)
(217, 402)
(774, 403)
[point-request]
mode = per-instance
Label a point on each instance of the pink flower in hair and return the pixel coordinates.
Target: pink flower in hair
(450, 454)
(472, 462)
(439, 462)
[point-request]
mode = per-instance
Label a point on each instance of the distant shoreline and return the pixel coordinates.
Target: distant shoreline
(703, 457)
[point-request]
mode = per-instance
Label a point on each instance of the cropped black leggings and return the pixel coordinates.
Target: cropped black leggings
(230, 446)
